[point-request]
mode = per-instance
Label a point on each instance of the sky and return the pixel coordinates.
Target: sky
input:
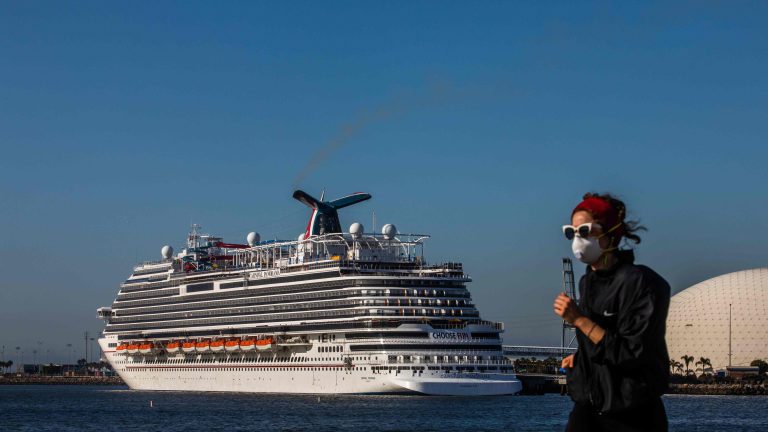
(481, 124)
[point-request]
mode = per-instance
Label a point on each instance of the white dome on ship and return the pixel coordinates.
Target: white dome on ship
(253, 239)
(389, 231)
(698, 320)
(166, 252)
(356, 229)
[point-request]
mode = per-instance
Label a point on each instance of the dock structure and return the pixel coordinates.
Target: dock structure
(514, 352)
(538, 384)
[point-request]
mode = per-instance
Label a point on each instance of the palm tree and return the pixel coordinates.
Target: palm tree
(761, 364)
(679, 367)
(687, 360)
(706, 365)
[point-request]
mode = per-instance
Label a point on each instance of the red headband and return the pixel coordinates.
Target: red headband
(603, 211)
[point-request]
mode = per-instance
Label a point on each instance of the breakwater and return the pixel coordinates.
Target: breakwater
(736, 389)
(539, 384)
(59, 380)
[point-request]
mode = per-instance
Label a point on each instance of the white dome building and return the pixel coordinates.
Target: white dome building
(698, 321)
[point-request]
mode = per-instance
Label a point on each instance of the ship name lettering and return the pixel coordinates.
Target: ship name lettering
(450, 336)
(264, 274)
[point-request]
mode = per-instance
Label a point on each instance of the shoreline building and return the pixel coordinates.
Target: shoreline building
(724, 319)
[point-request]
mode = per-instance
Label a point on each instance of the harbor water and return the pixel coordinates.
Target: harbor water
(100, 408)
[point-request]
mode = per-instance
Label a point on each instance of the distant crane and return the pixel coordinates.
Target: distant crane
(569, 286)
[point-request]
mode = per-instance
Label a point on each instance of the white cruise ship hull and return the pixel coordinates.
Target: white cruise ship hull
(465, 385)
(306, 379)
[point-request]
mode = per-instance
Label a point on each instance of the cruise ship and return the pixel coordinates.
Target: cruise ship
(332, 312)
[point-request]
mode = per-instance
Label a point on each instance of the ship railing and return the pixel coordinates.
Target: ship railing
(156, 262)
(425, 272)
(294, 267)
(182, 278)
(463, 324)
(422, 351)
(447, 363)
(282, 253)
(213, 275)
(368, 240)
(422, 340)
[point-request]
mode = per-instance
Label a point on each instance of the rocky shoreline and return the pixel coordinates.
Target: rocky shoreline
(59, 380)
(719, 389)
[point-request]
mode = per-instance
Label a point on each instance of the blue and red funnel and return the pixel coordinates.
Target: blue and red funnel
(325, 218)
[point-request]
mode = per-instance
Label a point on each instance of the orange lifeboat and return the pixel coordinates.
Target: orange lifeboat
(146, 348)
(232, 345)
(248, 345)
(122, 347)
(203, 346)
(188, 347)
(173, 347)
(217, 346)
(264, 344)
(133, 348)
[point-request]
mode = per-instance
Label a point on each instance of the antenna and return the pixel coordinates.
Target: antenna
(194, 236)
(569, 286)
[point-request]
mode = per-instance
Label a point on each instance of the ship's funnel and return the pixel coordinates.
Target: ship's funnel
(325, 218)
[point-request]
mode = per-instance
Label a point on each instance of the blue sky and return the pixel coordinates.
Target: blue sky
(481, 124)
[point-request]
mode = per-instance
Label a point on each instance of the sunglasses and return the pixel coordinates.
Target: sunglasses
(583, 230)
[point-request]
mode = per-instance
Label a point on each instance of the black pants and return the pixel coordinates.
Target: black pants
(650, 417)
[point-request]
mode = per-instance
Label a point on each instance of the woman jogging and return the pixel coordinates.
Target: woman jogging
(621, 368)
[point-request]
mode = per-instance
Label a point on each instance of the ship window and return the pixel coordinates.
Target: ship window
(208, 286)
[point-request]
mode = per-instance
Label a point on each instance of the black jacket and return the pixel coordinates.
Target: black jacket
(630, 365)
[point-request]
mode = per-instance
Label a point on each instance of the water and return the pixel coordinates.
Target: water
(96, 408)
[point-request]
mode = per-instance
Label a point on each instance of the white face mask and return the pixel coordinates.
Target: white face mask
(587, 250)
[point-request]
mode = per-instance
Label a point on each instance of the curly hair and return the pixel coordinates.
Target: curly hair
(630, 227)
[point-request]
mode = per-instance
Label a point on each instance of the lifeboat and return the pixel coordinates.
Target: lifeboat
(232, 345)
(264, 344)
(204, 346)
(133, 348)
(173, 347)
(188, 347)
(146, 348)
(217, 346)
(248, 345)
(122, 347)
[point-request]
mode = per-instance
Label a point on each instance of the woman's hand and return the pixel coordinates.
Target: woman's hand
(567, 362)
(566, 308)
